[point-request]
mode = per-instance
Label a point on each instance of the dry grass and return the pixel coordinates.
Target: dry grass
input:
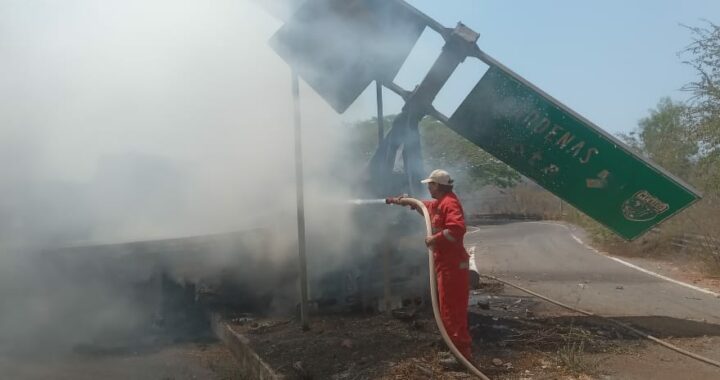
(529, 200)
(572, 354)
(572, 357)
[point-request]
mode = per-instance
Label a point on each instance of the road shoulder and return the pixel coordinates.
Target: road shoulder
(688, 273)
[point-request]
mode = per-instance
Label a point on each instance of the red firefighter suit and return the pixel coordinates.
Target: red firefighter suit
(451, 266)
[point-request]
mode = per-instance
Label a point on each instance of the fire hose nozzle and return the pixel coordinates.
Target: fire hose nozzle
(395, 200)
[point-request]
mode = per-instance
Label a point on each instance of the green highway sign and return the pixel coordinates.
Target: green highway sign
(568, 155)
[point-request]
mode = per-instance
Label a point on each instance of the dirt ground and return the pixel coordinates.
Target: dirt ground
(651, 361)
(515, 337)
(185, 361)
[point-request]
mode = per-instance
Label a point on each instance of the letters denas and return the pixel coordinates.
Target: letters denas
(558, 137)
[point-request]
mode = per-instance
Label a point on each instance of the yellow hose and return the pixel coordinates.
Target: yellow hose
(434, 296)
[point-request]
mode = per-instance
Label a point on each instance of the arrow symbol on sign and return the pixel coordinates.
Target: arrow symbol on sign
(598, 183)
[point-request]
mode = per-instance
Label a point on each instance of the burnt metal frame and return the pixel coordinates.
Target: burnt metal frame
(404, 134)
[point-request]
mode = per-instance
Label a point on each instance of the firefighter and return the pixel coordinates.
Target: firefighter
(451, 259)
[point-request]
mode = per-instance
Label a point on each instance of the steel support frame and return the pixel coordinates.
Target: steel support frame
(404, 134)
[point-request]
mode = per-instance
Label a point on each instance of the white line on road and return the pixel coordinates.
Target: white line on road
(699, 289)
(577, 239)
(633, 266)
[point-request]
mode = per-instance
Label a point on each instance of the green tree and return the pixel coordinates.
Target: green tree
(442, 148)
(703, 54)
(362, 138)
(666, 138)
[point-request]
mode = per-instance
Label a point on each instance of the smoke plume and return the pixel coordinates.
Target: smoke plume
(135, 120)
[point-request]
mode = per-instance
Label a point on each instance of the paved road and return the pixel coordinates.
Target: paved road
(546, 258)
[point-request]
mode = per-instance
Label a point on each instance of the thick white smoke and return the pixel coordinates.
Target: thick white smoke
(136, 120)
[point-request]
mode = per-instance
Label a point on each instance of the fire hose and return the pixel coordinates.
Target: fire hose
(434, 295)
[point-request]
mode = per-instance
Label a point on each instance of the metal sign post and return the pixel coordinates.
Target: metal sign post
(300, 202)
(385, 250)
(380, 116)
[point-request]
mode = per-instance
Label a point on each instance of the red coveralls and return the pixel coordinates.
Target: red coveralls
(451, 266)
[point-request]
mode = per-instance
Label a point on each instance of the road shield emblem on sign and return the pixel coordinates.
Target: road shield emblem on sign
(643, 206)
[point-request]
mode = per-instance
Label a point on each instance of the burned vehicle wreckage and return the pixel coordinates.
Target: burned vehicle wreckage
(172, 282)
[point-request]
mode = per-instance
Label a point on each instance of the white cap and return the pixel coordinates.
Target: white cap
(439, 176)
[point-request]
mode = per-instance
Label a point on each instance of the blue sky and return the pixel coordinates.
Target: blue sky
(609, 60)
